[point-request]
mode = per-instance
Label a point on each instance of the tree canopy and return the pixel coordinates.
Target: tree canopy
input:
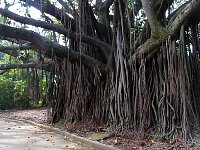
(123, 63)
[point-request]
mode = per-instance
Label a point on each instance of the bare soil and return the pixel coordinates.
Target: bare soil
(128, 141)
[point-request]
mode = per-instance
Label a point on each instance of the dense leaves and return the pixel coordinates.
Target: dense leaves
(14, 93)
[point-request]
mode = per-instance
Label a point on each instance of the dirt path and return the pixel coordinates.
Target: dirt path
(85, 130)
(16, 135)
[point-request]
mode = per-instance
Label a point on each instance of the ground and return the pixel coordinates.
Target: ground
(101, 134)
(18, 135)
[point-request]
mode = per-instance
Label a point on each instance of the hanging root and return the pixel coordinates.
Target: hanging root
(158, 93)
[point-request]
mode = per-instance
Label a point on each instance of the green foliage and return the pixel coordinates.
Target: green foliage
(15, 88)
(7, 93)
(34, 104)
(13, 93)
(21, 96)
(43, 93)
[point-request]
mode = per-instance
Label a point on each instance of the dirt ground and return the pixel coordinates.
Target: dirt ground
(96, 133)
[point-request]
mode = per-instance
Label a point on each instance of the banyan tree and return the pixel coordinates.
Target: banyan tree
(127, 64)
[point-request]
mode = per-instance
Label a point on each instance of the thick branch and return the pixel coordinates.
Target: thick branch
(46, 7)
(48, 46)
(173, 15)
(108, 3)
(12, 50)
(68, 9)
(148, 47)
(11, 53)
(13, 40)
(189, 13)
(183, 17)
(160, 9)
(15, 47)
(21, 66)
(70, 34)
(104, 5)
(151, 17)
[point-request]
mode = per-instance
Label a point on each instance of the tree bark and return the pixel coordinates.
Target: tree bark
(67, 32)
(48, 46)
(22, 66)
(172, 30)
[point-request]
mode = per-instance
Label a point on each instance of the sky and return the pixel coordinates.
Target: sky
(20, 10)
(17, 8)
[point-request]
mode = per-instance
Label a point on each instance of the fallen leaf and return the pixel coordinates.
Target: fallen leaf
(115, 141)
(176, 142)
(82, 144)
(150, 142)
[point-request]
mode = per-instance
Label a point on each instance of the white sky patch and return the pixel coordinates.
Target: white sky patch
(28, 11)
(18, 9)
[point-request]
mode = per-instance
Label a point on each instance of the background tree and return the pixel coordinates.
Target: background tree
(125, 63)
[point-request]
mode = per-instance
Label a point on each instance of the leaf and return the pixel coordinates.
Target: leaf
(176, 142)
(150, 142)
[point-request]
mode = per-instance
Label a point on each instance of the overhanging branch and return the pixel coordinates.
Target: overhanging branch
(153, 43)
(11, 53)
(46, 7)
(13, 50)
(145, 49)
(15, 47)
(70, 34)
(68, 9)
(22, 66)
(186, 15)
(11, 40)
(42, 43)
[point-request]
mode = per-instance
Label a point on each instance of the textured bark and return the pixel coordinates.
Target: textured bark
(135, 76)
(22, 66)
(70, 34)
(15, 47)
(151, 17)
(48, 46)
(183, 17)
